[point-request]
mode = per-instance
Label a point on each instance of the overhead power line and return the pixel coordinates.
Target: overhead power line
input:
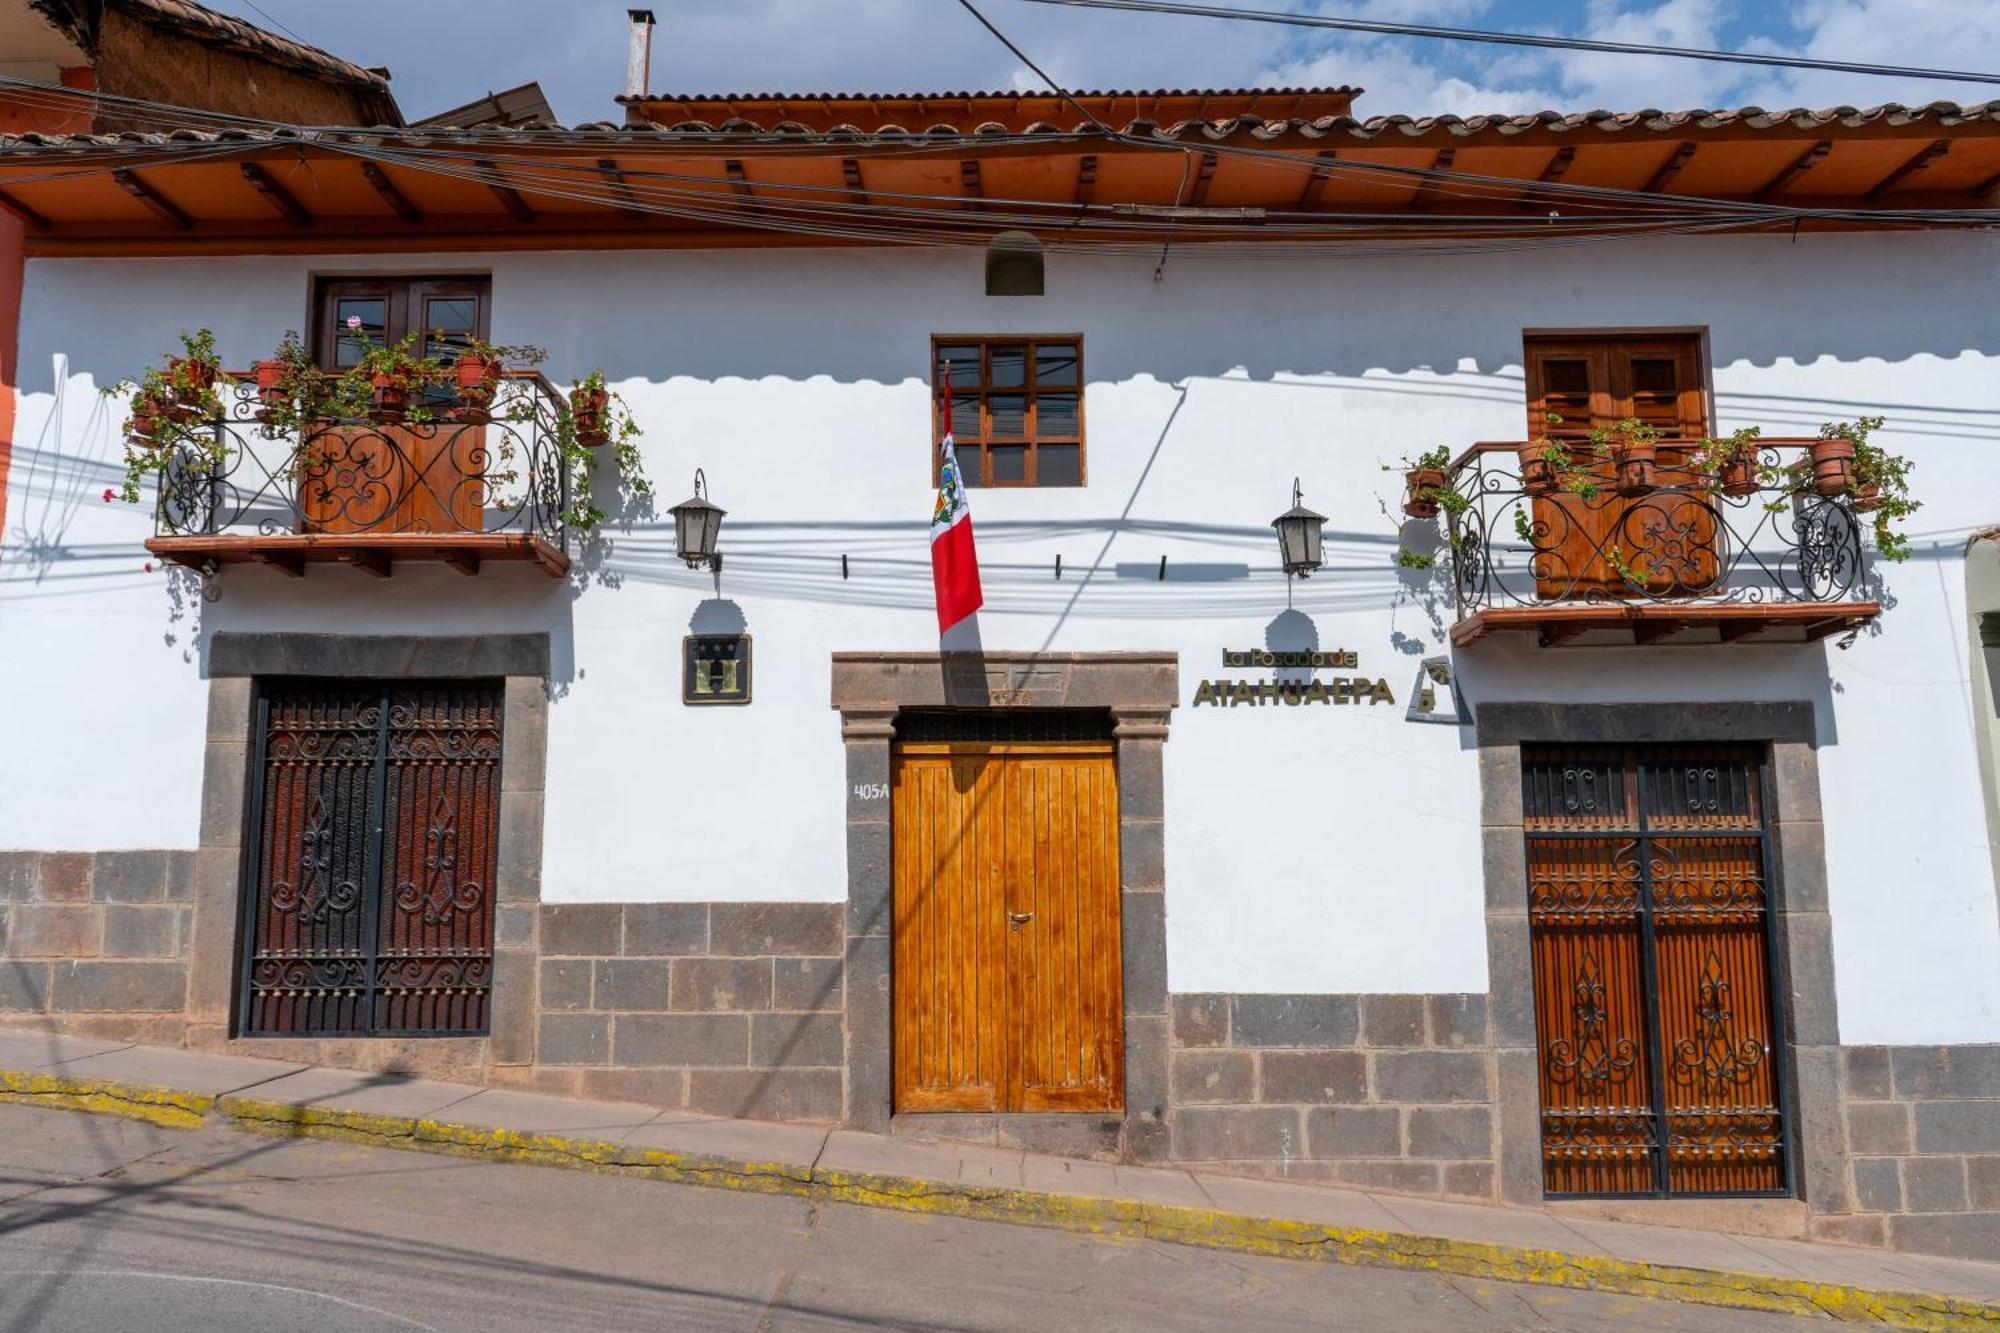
(1387, 29)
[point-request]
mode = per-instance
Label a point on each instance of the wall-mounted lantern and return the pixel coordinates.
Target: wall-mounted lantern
(696, 523)
(1299, 536)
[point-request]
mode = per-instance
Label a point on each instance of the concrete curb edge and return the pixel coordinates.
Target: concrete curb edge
(1209, 1228)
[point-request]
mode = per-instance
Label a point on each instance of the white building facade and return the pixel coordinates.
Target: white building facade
(1331, 912)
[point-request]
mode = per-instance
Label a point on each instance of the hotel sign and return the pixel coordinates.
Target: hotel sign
(1228, 693)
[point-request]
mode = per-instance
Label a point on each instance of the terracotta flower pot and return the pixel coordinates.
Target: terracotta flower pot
(1867, 496)
(1739, 474)
(1833, 465)
(192, 380)
(590, 408)
(389, 399)
(1420, 488)
(144, 426)
(1538, 474)
(1635, 460)
(477, 377)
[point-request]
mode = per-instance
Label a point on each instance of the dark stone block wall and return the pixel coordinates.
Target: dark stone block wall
(1923, 1144)
(97, 940)
(1380, 1091)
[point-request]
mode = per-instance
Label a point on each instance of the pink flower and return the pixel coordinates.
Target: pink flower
(354, 321)
(109, 495)
(149, 566)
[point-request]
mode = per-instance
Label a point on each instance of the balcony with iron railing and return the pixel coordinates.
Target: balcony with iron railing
(1686, 553)
(436, 480)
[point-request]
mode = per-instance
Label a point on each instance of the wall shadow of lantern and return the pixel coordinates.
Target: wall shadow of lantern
(1014, 265)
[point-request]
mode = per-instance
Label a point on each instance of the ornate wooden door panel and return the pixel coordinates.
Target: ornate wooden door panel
(373, 840)
(1661, 1048)
(1670, 535)
(1007, 966)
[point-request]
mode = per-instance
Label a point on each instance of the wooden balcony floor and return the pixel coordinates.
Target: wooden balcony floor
(1559, 623)
(372, 553)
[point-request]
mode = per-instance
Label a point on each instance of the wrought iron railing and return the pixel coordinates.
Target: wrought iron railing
(1769, 540)
(445, 469)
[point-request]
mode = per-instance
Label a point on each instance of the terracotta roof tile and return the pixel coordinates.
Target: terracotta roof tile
(1325, 129)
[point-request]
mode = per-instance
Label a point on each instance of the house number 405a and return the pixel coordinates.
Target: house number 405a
(871, 791)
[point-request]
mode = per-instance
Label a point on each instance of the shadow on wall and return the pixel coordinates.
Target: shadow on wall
(752, 315)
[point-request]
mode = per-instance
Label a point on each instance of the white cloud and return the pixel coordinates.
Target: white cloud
(933, 45)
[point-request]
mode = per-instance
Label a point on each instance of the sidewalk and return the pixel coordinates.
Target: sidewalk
(180, 1089)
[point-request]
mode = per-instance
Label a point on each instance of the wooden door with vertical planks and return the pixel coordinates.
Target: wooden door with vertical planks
(1649, 916)
(1007, 965)
(1668, 537)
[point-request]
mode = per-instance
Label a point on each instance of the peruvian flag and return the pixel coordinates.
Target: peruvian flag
(954, 563)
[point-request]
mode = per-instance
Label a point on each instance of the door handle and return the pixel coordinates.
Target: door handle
(1019, 919)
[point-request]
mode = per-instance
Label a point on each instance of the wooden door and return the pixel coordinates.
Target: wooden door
(1007, 965)
(1668, 537)
(1660, 1049)
(389, 478)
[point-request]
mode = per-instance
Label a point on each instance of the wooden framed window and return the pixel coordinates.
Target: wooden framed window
(450, 312)
(1596, 381)
(1016, 407)
(1593, 381)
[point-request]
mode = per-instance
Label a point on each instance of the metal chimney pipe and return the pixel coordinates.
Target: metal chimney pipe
(639, 55)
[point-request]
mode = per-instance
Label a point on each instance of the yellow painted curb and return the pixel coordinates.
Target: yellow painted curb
(158, 1106)
(1209, 1228)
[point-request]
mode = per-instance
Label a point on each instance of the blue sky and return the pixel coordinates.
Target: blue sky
(576, 48)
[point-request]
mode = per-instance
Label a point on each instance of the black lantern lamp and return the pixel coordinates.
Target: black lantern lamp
(696, 523)
(1299, 536)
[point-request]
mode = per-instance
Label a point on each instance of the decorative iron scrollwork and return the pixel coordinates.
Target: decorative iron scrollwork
(1715, 1057)
(1593, 1061)
(1682, 542)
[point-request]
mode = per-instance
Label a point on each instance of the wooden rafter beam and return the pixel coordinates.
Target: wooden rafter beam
(158, 204)
(737, 180)
(619, 186)
(850, 174)
(1671, 168)
(1926, 155)
(1315, 186)
(1799, 166)
(1086, 178)
(29, 217)
(1204, 172)
(1735, 631)
(1428, 189)
(398, 202)
(1557, 168)
(509, 197)
(277, 196)
(290, 565)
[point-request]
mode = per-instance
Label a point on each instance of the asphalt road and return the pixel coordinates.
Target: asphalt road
(110, 1224)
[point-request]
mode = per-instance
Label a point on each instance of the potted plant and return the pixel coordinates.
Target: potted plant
(391, 373)
(1733, 461)
(1632, 446)
(192, 374)
(143, 426)
(1425, 484)
(590, 408)
(1833, 454)
(1544, 463)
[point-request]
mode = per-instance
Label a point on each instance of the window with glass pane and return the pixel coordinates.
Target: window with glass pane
(1016, 407)
(352, 314)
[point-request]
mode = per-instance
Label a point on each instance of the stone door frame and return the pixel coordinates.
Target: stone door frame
(1141, 691)
(1804, 961)
(236, 661)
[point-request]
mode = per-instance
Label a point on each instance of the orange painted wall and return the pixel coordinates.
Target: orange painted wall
(16, 118)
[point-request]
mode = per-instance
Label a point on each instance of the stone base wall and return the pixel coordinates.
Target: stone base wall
(1923, 1148)
(97, 939)
(733, 1009)
(1387, 1091)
